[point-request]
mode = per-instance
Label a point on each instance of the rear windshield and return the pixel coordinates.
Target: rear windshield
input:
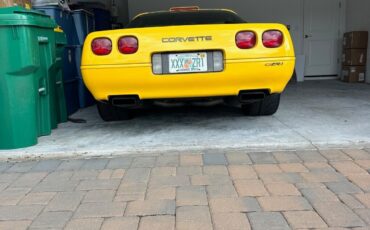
(201, 17)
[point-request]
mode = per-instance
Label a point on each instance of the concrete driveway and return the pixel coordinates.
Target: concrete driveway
(316, 114)
(216, 190)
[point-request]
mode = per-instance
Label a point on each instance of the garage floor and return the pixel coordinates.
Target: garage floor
(314, 114)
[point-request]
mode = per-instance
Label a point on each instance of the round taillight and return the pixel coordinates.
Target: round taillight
(101, 46)
(128, 45)
(245, 39)
(272, 38)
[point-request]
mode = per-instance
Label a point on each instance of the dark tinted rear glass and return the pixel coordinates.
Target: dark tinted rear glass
(185, 18)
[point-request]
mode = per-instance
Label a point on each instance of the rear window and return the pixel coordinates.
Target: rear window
(201, 17)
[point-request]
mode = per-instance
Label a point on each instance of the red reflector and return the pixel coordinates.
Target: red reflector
(272, 38)
(101, 46)
(245, 39)
(184, 8)
(128, 45)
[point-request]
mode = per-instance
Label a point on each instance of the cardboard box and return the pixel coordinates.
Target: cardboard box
(353, 74)
(10, 3)
(354, 57)
(356, 40)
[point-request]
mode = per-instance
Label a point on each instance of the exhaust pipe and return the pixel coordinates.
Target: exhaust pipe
(125, 101)
(251, 96)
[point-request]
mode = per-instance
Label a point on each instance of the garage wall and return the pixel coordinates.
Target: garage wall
(358, 18)
(289, 12)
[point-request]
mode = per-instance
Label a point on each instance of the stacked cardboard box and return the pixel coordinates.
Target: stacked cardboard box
(10, 3)
(354, 56)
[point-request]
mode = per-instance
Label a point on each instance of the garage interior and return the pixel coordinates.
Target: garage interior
(318, 110)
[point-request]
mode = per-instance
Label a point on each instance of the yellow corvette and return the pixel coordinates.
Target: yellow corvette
(188, 54)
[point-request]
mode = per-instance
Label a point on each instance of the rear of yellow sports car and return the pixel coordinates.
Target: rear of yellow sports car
(244, 60)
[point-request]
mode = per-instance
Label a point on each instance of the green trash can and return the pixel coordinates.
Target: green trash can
(27, 43)
(58, 110)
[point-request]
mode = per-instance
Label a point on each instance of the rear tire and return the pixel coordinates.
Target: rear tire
(266, 107)
(109, 112)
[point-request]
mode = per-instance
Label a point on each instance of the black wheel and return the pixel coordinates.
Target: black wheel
(266, 107)
(109, 112)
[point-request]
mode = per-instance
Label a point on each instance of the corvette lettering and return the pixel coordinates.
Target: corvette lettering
(187, 39)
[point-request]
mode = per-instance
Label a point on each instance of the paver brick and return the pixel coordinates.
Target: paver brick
(287, 157)
(50, 220)
(46, 166)
(163, 193)
(15, 225)
(282, 189)
(189, 170)
(253, 188)
(65, 201)
(163, 171)
(157, 223)
(191, 196)
(131, 191)
(214, 159)
(118, 223)
(25, 212)
(238, 159)
(316, 195)
(304, 220)
(12, 196)
(345, 187)
(221, 191)
(118, 174)
(231, 221)
(70, 165)
(364, 198)
(323, 177)
(242, 172)
(350, 201)
(293, 168)
(9, 177)
(98, 185)
(94, 164)
(311, 156)
(365, 164)
(151, 208)
(284, 203)
(42, 198)
(22, 167)
(95, 196)
(319, 167)
(169, 181)
(193, 217)
(334, 155)
(210, 180)
(215, 170)
(348, 168)
(85, 175)
(59, 176)
(119, 163)
(336, 214)
(267, 220)
(262, 158)
(137, 175)
(191, 160)
(267, 168)
(103, 209)
(168, 161)
(5, 166)
(364, 214)
(234, 205)
(56, 186)
(357, 154)
(310, 185)
(28, 180)
(143, 162)
(84, 224)
(291, 178)
(361, 180)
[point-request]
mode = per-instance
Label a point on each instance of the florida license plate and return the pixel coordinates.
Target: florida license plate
(188, 62)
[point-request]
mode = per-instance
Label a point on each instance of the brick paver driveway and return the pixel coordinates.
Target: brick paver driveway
(231, 190)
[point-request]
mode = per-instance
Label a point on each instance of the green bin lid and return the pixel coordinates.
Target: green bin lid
(19, 16)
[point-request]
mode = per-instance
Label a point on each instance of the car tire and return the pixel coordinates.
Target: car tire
(266, 107)
(109, 112)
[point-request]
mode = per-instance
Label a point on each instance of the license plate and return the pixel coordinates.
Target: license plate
(188, 62)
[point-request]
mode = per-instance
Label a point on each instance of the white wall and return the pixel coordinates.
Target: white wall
(358, 18)
(289, 12)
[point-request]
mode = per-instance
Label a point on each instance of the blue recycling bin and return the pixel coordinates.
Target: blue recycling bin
(71, 88)
(85, 97)
(84, 24)
(64, 19)
(103, 19)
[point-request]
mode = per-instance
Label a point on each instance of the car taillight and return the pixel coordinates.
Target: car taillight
(101, 46)
(128, 45)
(245, 39)
(272, 38)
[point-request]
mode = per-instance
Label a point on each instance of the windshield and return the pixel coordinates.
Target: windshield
(201, 17)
